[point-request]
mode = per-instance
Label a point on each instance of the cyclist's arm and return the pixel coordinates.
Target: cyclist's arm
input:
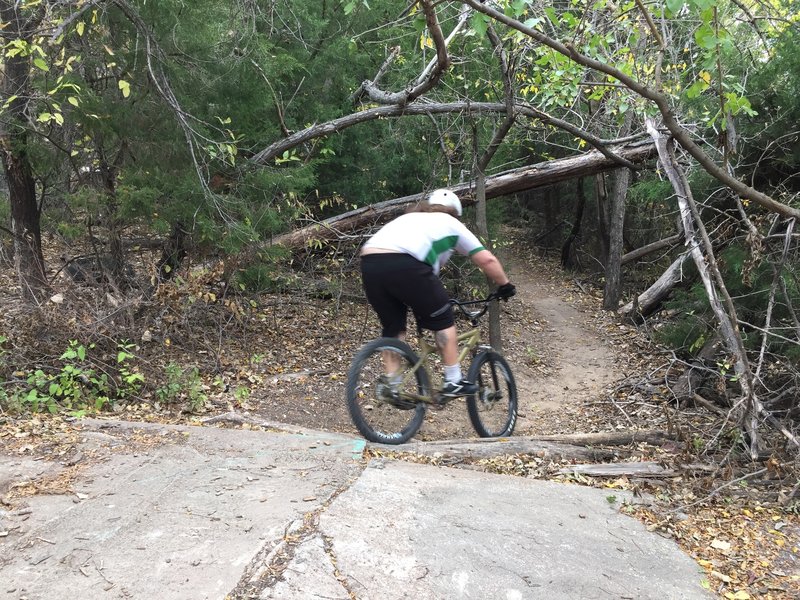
(488, 263)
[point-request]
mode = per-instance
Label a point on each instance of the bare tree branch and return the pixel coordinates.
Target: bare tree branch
(429, 77)
(421, 108)
(715, 287)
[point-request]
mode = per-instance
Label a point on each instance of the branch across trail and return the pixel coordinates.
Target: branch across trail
(508, 182)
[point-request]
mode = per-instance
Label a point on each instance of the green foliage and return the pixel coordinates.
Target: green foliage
(130, 380)
(265, 272)
(182, 384)
(78, 383)
(75, 387)
(651, 191)
(171, 388)
(690, 330)
(772, 137)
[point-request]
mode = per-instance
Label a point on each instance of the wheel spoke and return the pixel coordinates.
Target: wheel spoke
(379, 386)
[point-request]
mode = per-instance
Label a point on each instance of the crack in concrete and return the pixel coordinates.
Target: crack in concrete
(270, 563)
(344, 580)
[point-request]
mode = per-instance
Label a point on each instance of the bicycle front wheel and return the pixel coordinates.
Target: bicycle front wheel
(379, 403)
(493, 410)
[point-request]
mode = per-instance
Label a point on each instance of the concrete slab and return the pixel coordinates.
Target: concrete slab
(153, 511)
(416, 531)
(182, 517)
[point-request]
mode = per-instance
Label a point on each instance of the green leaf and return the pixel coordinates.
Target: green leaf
(44, 117)
(533, 22)
(673, 6)
(479, 23)
(697, 88)
(705, 37)
(41, 64)
(125, 87)
(702, 4)
(515, 8)
(80, 27)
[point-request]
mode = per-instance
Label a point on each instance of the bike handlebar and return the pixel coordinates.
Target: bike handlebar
(474, 316)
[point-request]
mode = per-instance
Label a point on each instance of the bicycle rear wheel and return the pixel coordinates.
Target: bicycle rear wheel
(493, 410)
(376, 402)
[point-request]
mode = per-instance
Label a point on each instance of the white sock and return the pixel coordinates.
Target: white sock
(452, 373)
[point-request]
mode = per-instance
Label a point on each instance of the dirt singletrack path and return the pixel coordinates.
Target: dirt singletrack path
(580, 365)
(552, 340)
(564, 351)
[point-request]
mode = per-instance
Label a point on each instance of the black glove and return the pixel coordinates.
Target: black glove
(507, 290)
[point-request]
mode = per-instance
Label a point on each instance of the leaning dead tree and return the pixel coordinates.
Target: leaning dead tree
(748, 409)
(502, 184)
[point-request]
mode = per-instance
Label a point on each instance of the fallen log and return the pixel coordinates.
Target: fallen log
(573, 446)
(664, 244)
(502, 184)
(654, 437)
(479, 449)
(636, 469)
(629, 469)
(647, 302)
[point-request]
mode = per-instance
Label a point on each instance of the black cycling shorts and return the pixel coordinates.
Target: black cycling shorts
(395, 282)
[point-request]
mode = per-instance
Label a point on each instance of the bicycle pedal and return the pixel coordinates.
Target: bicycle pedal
(439, 402)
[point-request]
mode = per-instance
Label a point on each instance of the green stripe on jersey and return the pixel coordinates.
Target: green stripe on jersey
(478, 249)
(439, 247)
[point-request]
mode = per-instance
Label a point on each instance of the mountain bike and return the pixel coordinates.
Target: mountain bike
(390, 408)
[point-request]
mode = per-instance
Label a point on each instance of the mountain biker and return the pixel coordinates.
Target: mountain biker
(400, 265)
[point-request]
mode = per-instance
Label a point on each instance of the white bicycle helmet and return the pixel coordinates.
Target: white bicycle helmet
(445, 198)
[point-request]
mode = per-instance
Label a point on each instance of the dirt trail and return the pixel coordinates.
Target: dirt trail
(579, 364)
(552, 342)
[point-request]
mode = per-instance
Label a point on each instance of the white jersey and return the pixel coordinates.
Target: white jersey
(429, 237)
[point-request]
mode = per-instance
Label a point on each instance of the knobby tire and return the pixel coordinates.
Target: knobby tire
(384, 420)
(493, 410)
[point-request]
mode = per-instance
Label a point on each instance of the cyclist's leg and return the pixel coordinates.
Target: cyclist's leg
(447, 344)
(432, 309)
(377, 271)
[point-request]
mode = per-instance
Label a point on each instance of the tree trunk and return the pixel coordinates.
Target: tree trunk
(495, 337)
(616, 220)
(25, 211)
(567, 261)
(613, 287)
(601, 195)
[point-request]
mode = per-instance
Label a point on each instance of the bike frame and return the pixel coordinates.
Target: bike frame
(470, 340)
